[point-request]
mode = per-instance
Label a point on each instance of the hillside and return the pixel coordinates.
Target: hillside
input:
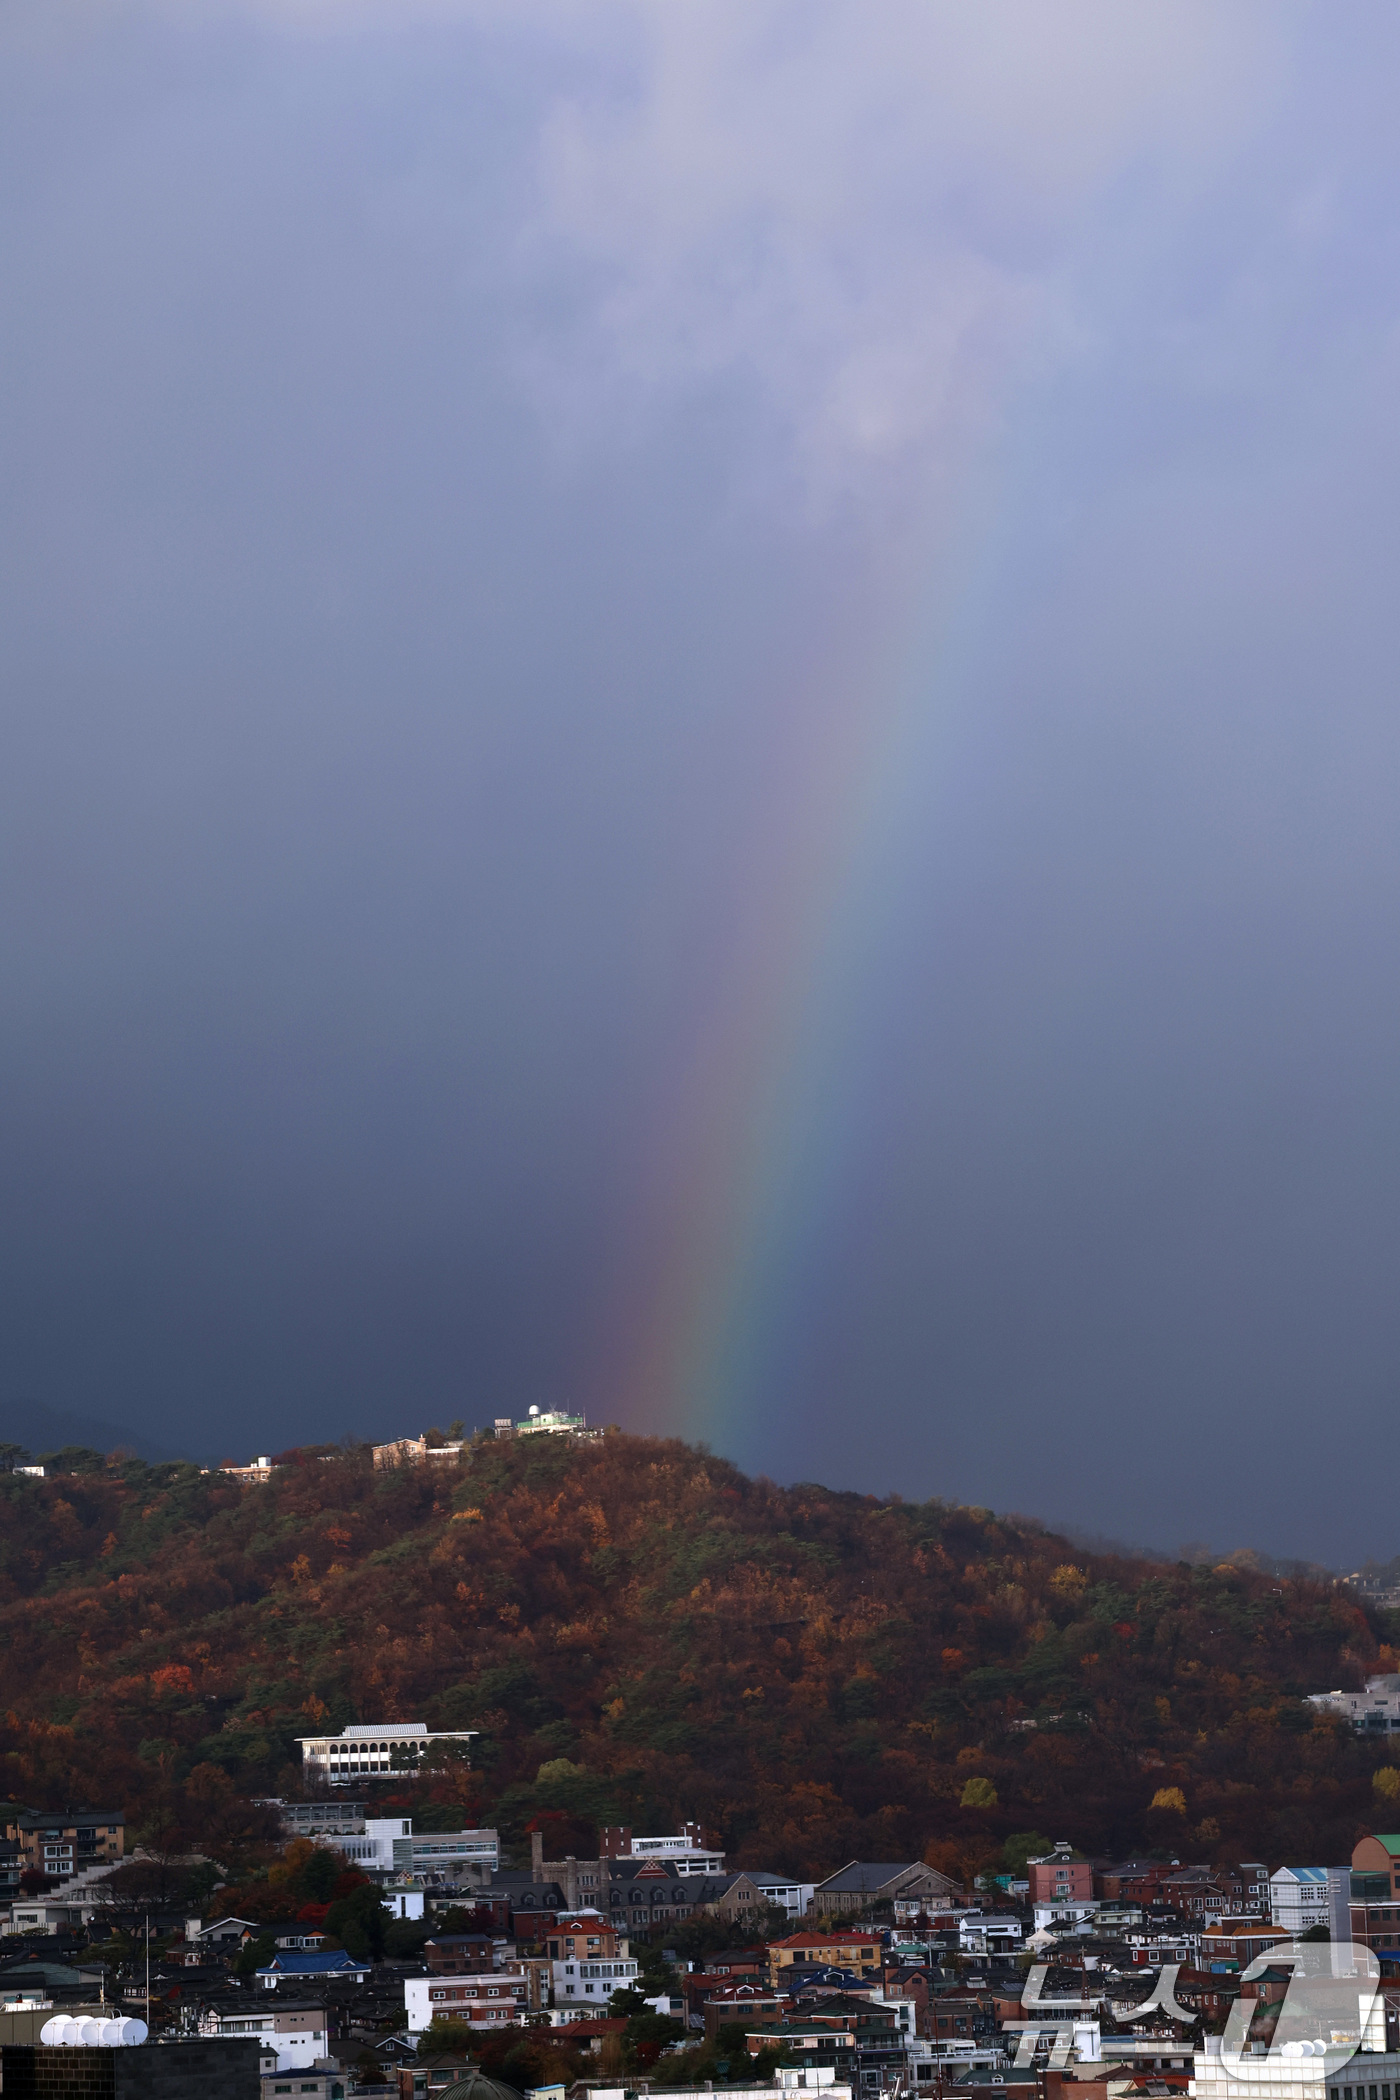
(644, 1634)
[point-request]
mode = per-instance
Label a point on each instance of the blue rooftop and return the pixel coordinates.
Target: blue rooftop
(334, 1964)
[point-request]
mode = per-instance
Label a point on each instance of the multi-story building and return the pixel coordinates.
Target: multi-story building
(67, 1842)
(1061, 1888)
(781, 1892)
(388, 1845)
(1131, 1880)
(1301, 1898)
(1376, 1711)
(1060, 1876)
(500, 1999)
(1278, 2077)
(1379, 1856)
(637, 1891)
(1374, 1907)
(297, 2032)
(324, 1818)
(835, 1948)
(590, 1960)
(373, 1750)
(687, 1851)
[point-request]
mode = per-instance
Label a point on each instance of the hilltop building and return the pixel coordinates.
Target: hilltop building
(415, 1450)
(545, 1422)
(1376, 1711)
(373, 1750)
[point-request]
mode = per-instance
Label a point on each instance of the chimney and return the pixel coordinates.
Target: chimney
(537, 1855)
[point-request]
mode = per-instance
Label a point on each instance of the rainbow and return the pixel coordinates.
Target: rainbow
(743, 1169)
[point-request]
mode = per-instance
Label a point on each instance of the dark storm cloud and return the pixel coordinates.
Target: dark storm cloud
(436, 446)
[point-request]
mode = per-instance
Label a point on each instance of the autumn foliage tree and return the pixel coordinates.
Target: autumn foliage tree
(641, 1634)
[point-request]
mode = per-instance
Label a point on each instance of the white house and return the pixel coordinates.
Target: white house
(404, 1903)
(1301, 1897)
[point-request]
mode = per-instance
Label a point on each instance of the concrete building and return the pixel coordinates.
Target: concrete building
(373, 1750)
(500, 1999)
(589, 1960)
(1062, 1874)
(331, 1817)
(1376, 1711)
(1279, 2077)
(781, 1892)
(68, 1841)
(295, 2032)
(1303, 1897)
(686, 1851)
(204, 2070)
(388, 1845)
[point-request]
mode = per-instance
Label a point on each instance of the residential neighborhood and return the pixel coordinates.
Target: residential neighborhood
(655, 1960)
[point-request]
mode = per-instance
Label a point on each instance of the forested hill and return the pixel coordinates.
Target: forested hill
(643, 1634)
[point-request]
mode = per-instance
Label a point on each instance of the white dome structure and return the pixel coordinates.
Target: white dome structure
(91, 2031)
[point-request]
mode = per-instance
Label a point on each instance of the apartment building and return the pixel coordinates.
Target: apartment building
(1301, 1898)
(66, 1843)
(497, 2000)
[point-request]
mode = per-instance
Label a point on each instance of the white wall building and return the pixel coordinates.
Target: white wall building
(587, 1985)
(387, 1845)
(373, 1750)
(1376, 1711)
(1279, 2077)
(404, 1903)
(297, 2033)
(685, 1850)
(1049, 1915)
(979, 1933)
(795, 1897)
(1301, 1897)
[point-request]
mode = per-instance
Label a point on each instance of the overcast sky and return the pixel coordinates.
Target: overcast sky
(700, 719)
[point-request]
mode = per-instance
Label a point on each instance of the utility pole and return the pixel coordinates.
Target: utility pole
(148, 1972)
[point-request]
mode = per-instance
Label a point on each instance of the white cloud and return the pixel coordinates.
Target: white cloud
(863, 211)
